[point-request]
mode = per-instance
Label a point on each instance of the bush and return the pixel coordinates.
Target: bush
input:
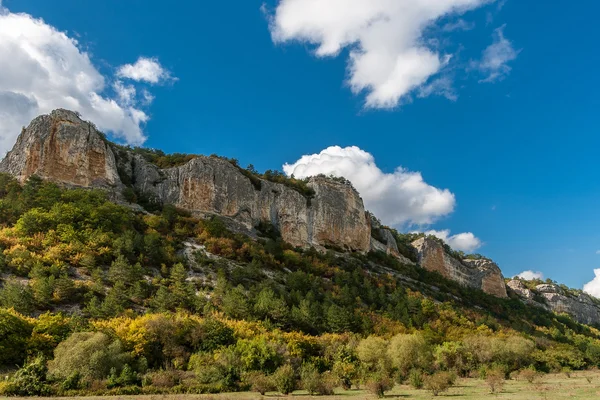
(92, 354)
(438, 382)
(163, 378)
(220, 371)
(372, 351)
(528, 374)
(415, 378)
(284, 379)
(495, 380)
(72, 382)
(408, 351)
(127, 377)
(14, 332)
(259, 382)
(314, 382)
(379, 382)
(310, 378)
(30, 380)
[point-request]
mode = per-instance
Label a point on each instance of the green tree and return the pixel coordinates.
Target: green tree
(14, 334)
(14, 294)
(91, 354)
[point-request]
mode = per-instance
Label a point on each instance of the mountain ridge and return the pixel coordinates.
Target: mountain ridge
(319, 212)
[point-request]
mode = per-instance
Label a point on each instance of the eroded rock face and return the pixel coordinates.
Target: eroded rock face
(582, 307)
(479, 274)
(63, 148)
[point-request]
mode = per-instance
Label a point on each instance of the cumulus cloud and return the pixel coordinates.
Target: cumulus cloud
(495, 59)
(42, 69)
(593, 286)
(144, 70)
(530, 275)
(389, 56)
(398, 198)
(466, 241)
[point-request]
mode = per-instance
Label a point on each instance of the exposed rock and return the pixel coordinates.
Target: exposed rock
(63, 148)
(520, 289)
(582, 307)
(383, 240)
(479, 274)
(492, 280)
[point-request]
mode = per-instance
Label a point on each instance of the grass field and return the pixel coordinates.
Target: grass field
(581, 385)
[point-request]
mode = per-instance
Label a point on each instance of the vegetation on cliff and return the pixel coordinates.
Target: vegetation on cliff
(97, 298)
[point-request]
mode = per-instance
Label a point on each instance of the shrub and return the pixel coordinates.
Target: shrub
(72, 382)
(372, 351)
(408, 351)
(495, 380)
(316, 383)
(415, 378)
(379, 382)
(221, 371)
(127, 377)
(92, 354)
(14, 332)
(163, 378)
(259, 382)
(528, 374)
(30, 380)
(438, 382)
(284, 379)
(310, 378)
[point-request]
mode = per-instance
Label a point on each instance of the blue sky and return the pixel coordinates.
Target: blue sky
(512, 137)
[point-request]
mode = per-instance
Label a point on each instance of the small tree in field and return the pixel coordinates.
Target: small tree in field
(438, 382)
(495, 380)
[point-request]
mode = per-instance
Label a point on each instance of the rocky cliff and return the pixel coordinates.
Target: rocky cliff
(481, 274)
(63, 148)
(582, 307)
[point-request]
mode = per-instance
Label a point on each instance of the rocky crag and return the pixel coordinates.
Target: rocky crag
(65, 149)
(582, 307)
(481, 274)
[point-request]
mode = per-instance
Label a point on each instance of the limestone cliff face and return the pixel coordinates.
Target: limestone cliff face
(63, 148)
(480, 274)
(552, 297)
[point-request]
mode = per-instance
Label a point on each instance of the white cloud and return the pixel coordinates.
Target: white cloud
(144, 70)
(440, 87)
(593, 286)
(398, 198)
(530, 275)
(43, 69)
(466, 241)
(388, 52)
(459, 25)
(597, 251)
(495, 59)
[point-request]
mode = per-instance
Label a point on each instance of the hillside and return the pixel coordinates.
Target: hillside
(191, 274)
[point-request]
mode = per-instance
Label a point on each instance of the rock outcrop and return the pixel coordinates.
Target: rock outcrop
(65, 149)
(382, 239)
(61, 147)
(481, 274)
(582, 307)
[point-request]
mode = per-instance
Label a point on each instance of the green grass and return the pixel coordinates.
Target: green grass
(548, 387)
